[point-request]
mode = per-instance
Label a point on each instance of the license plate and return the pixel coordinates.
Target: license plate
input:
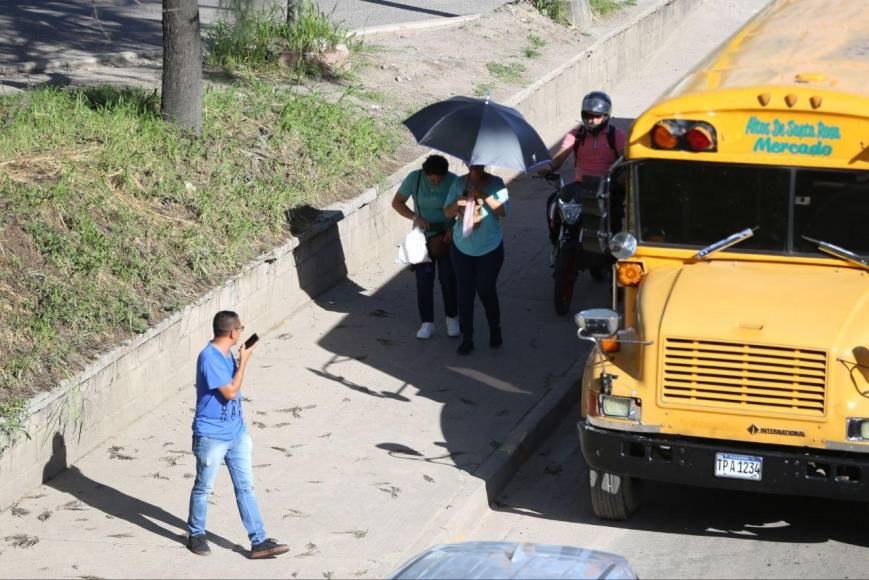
(738, 466)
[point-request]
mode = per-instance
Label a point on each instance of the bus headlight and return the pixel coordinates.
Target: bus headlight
(619, 407)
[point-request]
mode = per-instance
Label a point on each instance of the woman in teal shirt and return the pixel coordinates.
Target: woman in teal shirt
(429, 188)
(478, 254)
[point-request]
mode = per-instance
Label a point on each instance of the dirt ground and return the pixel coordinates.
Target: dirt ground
(412, 69)
(399, 72)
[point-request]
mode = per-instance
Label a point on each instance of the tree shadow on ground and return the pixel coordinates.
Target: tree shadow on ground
(37, 30)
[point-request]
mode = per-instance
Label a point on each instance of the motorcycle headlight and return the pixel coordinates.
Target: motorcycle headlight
(570, 212)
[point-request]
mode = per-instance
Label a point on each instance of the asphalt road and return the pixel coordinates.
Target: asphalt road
(679, 531)
(365, 13)
(41, 30)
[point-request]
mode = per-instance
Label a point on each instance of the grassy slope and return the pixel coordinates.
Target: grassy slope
(111, 219)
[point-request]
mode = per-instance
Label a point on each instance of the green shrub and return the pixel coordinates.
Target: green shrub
(263, 40)
(607, 7)
(535, 44)
(554, 9)
(511, 72)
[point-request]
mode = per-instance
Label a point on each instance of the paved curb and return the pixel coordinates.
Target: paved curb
(64, 64)
(471, 502)
(427, 24)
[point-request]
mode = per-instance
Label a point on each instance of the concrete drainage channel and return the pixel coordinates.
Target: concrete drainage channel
(78, 415)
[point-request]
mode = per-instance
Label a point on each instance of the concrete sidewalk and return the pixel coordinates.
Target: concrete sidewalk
(362, 434)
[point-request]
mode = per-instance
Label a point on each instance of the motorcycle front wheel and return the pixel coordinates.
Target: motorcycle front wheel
(564, 278)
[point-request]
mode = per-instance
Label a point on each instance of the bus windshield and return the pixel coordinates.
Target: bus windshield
(695, 204)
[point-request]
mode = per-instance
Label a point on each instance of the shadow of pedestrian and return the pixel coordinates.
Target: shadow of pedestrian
(117, 504)
(481, 397)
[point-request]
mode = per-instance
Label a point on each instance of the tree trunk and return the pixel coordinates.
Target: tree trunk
(182, 64)
(292, 6)
(579, 13)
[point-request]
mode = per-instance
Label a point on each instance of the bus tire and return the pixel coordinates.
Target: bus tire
(613, 497)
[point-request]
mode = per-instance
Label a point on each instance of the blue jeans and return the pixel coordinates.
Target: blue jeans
(209, 454)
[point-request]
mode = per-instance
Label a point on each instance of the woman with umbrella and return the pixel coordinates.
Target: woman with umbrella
(482, 200)
(480, 133)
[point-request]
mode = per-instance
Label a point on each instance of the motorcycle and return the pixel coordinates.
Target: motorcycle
(577, 214)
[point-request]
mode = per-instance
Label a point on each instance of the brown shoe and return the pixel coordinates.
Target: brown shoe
(267, 548)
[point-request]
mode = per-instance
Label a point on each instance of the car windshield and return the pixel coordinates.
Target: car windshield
(696, 204)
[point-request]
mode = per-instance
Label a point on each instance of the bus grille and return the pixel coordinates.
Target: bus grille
(745, 377)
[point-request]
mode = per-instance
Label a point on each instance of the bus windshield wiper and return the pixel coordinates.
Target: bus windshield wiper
(839, 252)
(730, 240)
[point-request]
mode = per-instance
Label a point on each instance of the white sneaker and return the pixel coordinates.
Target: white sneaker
(453, 329)
(425, 331)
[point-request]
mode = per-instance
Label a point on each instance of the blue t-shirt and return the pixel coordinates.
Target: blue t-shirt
(216, 417)
(428, 198)
(487, 236)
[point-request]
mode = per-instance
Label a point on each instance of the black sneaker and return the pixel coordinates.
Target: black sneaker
(495, 338)
(466, 347)
(198, 545)
(268, 547)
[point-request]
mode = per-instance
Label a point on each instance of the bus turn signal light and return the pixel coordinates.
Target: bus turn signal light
(629, 273)
(609, 345)
(663, 136)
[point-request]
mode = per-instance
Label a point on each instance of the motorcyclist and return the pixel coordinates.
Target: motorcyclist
(595, 145)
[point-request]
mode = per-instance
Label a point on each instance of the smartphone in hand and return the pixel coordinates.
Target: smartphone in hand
(251, 341)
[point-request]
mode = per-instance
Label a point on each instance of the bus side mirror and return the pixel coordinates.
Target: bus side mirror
(623, 245)
(597, 323)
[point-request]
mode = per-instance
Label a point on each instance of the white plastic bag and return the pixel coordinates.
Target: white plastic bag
(413, 249)
(468, 218)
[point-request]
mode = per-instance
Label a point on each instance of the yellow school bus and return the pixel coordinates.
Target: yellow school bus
(736, 354)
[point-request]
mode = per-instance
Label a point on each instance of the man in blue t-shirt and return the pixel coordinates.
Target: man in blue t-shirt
(219, 436)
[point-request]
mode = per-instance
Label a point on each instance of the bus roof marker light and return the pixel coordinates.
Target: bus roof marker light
(763, 99)
(791, 100)
(816, 101)
(663, 136)
(810, 77)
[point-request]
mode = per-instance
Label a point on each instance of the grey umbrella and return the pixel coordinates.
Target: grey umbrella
(479, 132)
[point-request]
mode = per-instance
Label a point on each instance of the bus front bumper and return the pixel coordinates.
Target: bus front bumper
(797, 471)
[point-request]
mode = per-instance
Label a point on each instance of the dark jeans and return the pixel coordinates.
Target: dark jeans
(425, 278)
(478, 275)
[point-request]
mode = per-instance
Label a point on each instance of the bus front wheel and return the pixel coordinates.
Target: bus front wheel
(613, 497)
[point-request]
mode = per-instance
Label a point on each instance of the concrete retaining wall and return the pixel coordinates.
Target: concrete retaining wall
(133, 379)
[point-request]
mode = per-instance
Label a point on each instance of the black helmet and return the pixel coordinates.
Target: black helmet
(594, 104)
(597, 103)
